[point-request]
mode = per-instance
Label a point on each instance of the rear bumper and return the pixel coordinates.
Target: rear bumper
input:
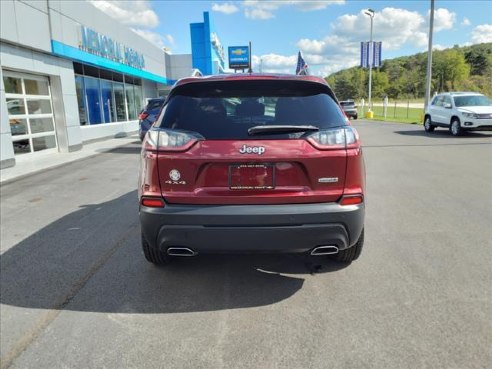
(351, 113)
(252, 228)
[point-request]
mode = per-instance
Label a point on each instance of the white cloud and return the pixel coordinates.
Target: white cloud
(465, 22)
(255, 9)
(226, 8)
(274, 63)
(136, 13)
(258, 14)
(265, 9)
(312, 46)
(395, 27)
(170, 39)
(438, 47)
(443, 19)
(130, 12)
(308, 6)
(150, 36)
(482, 33)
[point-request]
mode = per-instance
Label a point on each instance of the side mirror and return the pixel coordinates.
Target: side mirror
(447, 106)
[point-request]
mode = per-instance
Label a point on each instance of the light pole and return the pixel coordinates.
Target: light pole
(428, 80)
(370, 13)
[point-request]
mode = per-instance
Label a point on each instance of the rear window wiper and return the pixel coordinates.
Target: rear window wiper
(258, 130)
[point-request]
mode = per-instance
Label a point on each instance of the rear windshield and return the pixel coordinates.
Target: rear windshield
(153, 106)
(226, 110)
(347, 103)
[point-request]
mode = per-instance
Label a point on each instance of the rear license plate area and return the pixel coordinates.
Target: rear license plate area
(252, 177)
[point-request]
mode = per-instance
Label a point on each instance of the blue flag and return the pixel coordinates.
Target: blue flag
(301, 65)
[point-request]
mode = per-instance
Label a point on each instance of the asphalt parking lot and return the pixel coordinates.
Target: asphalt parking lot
(76, 291)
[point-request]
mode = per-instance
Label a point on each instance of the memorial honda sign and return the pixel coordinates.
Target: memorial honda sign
(101, 45)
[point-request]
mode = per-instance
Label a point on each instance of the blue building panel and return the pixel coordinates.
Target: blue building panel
(207, 51)
(73, 53)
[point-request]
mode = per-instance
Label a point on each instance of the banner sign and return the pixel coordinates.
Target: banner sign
(376, 54)
(238, 57)
(366, 55)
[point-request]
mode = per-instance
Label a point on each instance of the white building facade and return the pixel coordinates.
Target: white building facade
(70, 74)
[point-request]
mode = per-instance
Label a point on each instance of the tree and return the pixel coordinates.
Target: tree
(466, 68)
(480, 59)
(449, 68)
(380, 83)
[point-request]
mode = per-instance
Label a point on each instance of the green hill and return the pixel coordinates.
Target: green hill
(466, 68)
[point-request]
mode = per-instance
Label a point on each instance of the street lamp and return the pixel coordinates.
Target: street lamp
(370, 13)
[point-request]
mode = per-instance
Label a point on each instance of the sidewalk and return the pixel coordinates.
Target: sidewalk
(30, 165)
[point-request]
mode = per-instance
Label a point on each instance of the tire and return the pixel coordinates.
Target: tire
(152, 255)
(352, 253)
(455, 127)
(428, 126)
(355, 117)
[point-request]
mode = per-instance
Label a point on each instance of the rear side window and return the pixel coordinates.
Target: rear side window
(226, 110)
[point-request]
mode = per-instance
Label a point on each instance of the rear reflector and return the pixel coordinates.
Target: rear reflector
(352, 200)
(153, 202)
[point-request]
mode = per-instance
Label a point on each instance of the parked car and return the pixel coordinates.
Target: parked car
(459, 111)
(252, 163)
(148, 115)
(349, 108)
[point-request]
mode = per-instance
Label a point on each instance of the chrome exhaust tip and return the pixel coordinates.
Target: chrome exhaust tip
(181, 251)
(324, 250)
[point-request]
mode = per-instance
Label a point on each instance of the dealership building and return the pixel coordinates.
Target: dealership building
(70, 74)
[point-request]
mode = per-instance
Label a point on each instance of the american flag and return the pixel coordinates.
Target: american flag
(301, 65)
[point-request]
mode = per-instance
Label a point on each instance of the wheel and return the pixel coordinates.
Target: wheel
(455, 127)
(352, 253)
(152, 255)
(428, 124)
(355, 117)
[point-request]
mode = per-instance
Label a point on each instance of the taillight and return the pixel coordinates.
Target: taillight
(152, 202)
(143, 115)
(170, 140)
(352, 200)
(334, 138)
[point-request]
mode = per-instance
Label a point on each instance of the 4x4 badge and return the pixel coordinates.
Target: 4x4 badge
(175, 176)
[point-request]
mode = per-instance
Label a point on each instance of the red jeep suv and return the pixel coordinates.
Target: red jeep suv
(251, 163)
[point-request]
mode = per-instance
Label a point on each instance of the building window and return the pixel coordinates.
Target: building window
(79, 86)
(30, 112)
(92, 94)
(107, 101)
(130, 99)
(119, 101)
(105, 96)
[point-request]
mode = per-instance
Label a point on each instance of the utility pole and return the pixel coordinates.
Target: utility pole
(370, 13)
(429, 58)
(250, 70)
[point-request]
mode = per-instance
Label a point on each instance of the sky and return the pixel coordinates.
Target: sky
(328, 33)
